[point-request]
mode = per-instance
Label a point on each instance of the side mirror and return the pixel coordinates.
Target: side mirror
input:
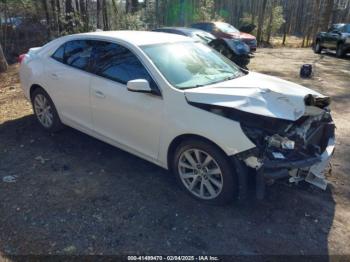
(139, 85)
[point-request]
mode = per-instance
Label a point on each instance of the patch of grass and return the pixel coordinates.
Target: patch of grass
(291, 41)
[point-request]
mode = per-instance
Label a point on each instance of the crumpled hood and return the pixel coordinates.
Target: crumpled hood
(256, 93)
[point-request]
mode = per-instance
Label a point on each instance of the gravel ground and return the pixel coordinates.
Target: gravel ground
(76, 195)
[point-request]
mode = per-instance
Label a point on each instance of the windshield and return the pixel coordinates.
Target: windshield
(346, 28)
(227, 28)
(191, 64)
(203, 37)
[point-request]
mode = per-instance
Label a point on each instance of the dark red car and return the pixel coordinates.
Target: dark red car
(227, 31)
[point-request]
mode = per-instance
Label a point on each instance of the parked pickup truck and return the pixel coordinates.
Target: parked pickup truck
(337, 38)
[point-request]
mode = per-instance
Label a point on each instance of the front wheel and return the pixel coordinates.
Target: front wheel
(205, 172)
(318, 48)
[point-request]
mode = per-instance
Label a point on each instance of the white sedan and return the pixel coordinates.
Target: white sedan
(181, 105)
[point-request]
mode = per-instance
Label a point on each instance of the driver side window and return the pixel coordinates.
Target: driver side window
(331, 29)
(118, 63)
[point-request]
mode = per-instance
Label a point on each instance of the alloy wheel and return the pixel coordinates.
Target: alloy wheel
(200, 173)
(43, 110)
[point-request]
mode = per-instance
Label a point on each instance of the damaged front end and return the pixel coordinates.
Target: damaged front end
(300, 149)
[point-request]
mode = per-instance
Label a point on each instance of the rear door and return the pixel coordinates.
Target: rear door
(131, 120)
(69, 82)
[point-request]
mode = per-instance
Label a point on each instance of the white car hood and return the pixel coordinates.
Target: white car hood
(256, 93)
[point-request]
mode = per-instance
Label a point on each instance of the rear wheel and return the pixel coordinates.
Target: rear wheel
(45, 111)
(204, 171)
(340, 50)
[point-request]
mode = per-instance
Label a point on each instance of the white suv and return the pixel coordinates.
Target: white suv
(181, 105)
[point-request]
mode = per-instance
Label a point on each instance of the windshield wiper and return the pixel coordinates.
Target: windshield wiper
(190, 87)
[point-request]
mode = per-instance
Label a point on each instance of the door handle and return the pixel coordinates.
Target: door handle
(54, 75)
(99, 94)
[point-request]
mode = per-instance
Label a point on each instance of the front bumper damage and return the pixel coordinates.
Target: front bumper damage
(302, 153)
(294, 136)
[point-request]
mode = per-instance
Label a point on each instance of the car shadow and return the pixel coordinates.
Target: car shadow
(76, 195)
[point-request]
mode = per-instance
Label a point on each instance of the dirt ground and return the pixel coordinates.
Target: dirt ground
(76, 195)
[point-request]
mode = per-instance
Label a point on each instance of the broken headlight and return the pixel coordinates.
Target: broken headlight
(267, 131)
(278, 141)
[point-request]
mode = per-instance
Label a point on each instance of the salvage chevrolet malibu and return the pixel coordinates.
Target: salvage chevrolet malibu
(183, 106)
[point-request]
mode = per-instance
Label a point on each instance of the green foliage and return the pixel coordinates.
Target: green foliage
(120, 20)
(148, 15)
(206, 11)
(277, 21)
(71, 24)
(132, 22)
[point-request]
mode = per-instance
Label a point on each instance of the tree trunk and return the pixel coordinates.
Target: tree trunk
(3, 62)
(105, 15)
(84, 15)
(261, 21)
(69, 16)
(131, 6)
(6, 25)
(77, 6)
(287, 23)
(58, 7)
(47, 16)
(182, 12)
(327, 14)
(54, 20)
(269, 29)
(98, 14)
(252, 10)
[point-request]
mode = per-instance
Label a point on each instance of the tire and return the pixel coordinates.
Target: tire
(318, 48)
(45, 111)
(340, 50)
(214, 181)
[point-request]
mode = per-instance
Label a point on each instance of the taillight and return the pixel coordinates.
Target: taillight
(21, 58)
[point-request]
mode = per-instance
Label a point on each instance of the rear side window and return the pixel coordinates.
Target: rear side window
(59, 54)
(77, 53)
(198, 26)
(117, 63)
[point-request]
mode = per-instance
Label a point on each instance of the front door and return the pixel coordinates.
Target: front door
(133, 120)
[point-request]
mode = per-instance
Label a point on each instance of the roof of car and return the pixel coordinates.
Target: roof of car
(203, 22)
(138, 38)
(186, 30)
